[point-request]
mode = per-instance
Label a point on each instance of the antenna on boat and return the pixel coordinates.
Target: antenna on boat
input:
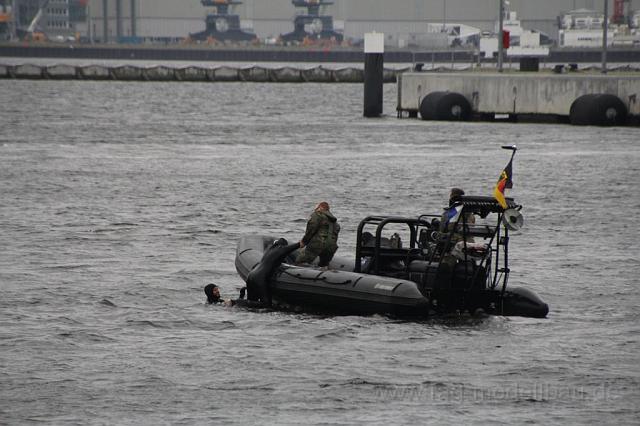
(511, 147)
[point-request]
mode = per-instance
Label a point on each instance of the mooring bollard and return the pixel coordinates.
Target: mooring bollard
(373, 73)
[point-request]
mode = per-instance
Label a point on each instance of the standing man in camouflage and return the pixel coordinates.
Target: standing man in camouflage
(321, 236)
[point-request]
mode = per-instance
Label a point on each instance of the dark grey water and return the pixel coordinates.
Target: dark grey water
(118, 202)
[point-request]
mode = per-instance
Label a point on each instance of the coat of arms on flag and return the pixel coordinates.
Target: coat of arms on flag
(504, 181)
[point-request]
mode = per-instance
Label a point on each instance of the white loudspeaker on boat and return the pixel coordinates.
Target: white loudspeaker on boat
(513, 219)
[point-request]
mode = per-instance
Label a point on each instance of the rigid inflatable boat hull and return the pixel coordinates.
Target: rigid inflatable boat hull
(346, 292)
(339, 290)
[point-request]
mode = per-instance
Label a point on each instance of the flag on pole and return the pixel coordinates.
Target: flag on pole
(504, 182)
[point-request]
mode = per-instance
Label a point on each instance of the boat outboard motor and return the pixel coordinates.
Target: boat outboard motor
(258, 278)
(523, 302)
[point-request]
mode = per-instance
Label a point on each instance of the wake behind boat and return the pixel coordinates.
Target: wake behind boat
(433, 274)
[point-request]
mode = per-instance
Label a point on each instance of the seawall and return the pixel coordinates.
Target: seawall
(287, 54)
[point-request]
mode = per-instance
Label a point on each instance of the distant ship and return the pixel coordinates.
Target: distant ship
(583, 28)
(312, 26)
(518, 41)
(221, 25)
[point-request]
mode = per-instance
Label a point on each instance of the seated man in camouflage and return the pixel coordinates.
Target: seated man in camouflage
(321, 237)
(451, 235)
(448, 222)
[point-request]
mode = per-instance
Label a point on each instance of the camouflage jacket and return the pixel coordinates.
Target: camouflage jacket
(322, 227)
(456, 234)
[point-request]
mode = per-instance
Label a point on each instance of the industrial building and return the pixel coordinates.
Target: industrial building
(170, 20)
(32, 19)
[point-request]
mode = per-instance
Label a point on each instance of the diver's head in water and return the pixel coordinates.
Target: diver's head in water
(213, 293)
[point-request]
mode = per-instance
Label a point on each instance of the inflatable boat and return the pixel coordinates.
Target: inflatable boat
(403, 267)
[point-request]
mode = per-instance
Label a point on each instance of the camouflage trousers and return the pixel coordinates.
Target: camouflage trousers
(309, 253)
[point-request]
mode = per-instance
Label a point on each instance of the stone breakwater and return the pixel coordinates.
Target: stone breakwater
(258, 74)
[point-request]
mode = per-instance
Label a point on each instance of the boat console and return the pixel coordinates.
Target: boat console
(430, 258)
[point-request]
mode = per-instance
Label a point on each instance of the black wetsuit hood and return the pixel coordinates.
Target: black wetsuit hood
(208, 290)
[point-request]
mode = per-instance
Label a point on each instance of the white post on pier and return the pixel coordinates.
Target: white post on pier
(373, 73)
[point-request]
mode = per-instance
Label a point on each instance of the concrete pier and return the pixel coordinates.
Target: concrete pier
(516, 95)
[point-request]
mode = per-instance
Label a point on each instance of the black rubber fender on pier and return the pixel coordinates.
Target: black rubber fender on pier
(598, 110)
(448, 106)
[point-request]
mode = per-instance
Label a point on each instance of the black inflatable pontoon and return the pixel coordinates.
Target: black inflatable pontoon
(387, 278)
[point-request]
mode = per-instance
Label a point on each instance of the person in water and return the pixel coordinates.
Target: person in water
(213, 295)
(212, 292)
(321, 236)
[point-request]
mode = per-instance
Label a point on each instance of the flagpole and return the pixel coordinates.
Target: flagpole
(504, 241)
(513, 149)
